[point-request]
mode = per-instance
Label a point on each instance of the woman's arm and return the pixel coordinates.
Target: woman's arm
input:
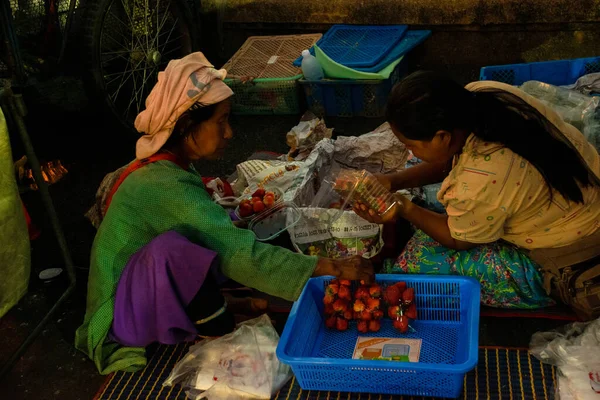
(419, 175)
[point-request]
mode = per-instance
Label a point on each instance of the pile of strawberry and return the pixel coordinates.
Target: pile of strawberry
(261, 200)
(367, 305)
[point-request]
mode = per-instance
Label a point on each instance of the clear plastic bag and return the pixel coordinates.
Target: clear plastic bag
(575, 350)
(240, 365)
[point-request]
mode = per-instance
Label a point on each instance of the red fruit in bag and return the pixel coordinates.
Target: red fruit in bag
(260, 193)
(268, 201)
(378, 314)
(341, 324)
(373, 304)
(246, 210)
(345, 282)
(393, 311)
(374, 326)
(340, 306)
(401, 323)
(258, 206)
(393, 295)
(359, 306)
(344, 293)
(375, 291)
(255, 199)
(411, 311)
(328, 299)
(408, 296)
(362, 326)
(330, 322)
(362, 293)
(348, 314)
(332, 288)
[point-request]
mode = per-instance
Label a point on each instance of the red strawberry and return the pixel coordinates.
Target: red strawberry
(328, 299)
(345, 282)
(344, 293)
(260, 193)
(411, 311)
(373, 304)
(270, 194)
(341, 324)
(340, 306)
(330, 322)
(374, 326)
(408, 295)
(245, 210)
(328, 309)
(335, 282)
(375, 291)
(268, 201)
(362, 326)
(377, 314)
(332, 288)
(359, 306)
(401, 286)
(392, 294)
(362, 293)
(365, 315)
(258, 206)
(348, 314)
(401, 324)
(256, 199)
(393, 311)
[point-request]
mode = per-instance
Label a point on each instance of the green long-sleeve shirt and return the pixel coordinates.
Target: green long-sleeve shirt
(155, 199)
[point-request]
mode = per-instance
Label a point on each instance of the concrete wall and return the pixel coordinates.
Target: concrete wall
(467, 34)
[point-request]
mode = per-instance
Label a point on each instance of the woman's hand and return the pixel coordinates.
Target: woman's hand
(354, 268)
(398, 210)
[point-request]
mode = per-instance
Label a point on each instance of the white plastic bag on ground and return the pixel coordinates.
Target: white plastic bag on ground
(575, 350)
(303, 137)
(240, 365)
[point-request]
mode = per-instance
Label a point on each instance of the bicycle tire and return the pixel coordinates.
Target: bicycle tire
(96, 23)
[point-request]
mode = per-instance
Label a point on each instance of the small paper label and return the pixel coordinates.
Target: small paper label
(272, 60)
(387, 349)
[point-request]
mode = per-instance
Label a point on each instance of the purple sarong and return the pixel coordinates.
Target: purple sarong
(157, 284)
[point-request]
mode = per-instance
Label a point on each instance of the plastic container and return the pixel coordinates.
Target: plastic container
(362, 186)
(351, 98)
(274, 221)
(562, 72)
(269, 60)
(310, 67)
(361, 45)
(335, 70)
(448, 326)
(278, 200)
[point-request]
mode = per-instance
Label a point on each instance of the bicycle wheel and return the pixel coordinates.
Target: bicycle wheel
(127, 43)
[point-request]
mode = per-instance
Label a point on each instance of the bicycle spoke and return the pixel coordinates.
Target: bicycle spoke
(168, 37)
(124, 80)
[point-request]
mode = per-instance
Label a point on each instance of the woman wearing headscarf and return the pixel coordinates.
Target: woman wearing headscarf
(161, 236)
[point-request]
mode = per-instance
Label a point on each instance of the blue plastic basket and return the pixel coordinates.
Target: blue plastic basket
(448, 325)
(351, 98)
(360, 46)
(563, 72)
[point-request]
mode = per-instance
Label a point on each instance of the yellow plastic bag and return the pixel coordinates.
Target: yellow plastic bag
(15, 259)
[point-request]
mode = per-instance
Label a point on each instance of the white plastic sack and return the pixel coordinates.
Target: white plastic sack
(240, 365)
(303, 137)
(575, 350)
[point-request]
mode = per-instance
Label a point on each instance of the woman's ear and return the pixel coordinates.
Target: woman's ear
(443, 138)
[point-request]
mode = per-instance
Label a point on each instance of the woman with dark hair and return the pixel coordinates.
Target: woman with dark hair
(162, 236)
(517, 180)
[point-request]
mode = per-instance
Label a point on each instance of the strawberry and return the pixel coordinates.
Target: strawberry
(356, 315)
(345, 282)
(344, 293)
(393, 311)
(328, 299)
(246, 210)
(392, 294)
(260, 192)
(332, 289)
(377, 314)
(375, 291)
(348, 314)
(401, 286)
(268, 201)
(330, 322)
(401, 323)
(340, 306)
(362, 293)
(373, 304)
(328, 309)
(255, 199)
(362, 326)
(258, 206)
(359, 306)
(374, 326)
(408, 295)
(341, 324)
(335, 282)
(365, 315)
(270, 194)
(411, 311)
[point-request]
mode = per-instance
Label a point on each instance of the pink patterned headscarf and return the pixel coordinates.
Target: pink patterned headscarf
(183, 83)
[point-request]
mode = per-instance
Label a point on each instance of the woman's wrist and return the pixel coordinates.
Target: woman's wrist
(404, 206)
(326, 267)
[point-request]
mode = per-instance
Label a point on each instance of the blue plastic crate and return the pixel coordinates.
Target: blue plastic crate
(448, 324)
(359, 45)
(351, 98)
(410, 40)
(563, 72)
